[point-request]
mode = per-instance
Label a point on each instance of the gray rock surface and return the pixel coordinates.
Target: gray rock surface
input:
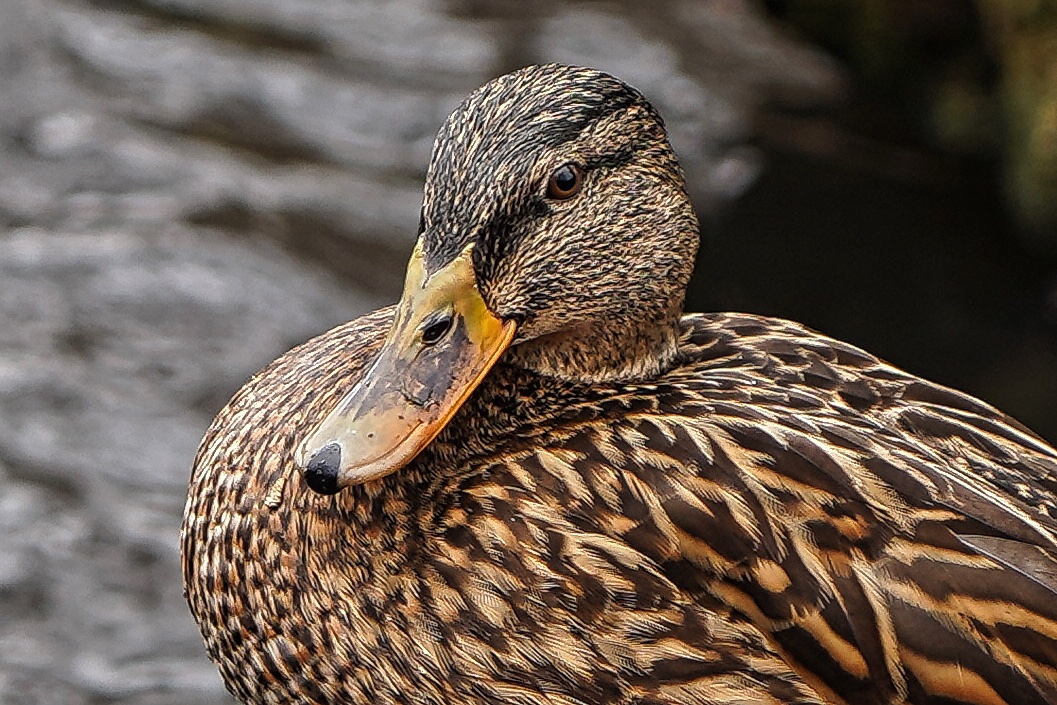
(190, 187)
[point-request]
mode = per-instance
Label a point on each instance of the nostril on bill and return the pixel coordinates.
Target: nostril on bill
(321, 472)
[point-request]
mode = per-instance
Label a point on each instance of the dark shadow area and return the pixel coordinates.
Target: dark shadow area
(886, 221)
(932, 279)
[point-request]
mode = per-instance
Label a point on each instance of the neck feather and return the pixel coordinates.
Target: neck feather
(603, 352)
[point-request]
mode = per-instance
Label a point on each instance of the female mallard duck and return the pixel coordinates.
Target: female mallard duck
(544, 484)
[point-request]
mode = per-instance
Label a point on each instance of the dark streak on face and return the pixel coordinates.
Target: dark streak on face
(500, 182)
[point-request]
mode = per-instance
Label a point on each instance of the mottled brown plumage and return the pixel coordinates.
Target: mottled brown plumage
(634, 506)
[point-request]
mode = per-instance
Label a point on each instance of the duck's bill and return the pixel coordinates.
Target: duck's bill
(442, 344)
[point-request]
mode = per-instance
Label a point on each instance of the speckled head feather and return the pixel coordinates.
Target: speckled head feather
(502, 142)
(486, 185)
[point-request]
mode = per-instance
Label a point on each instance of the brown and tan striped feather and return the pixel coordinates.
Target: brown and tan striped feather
(780, 519)
(895, 538)
(436, 586)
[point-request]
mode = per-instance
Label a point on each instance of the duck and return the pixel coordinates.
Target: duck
(535, 479)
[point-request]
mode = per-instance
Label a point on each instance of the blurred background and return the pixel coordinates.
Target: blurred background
(188, 188)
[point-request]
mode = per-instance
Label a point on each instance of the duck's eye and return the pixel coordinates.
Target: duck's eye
(565, 182)
(435, 329)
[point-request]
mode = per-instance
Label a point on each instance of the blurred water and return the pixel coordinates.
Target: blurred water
(190, 187)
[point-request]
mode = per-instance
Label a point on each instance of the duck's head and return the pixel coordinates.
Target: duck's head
(555, 232)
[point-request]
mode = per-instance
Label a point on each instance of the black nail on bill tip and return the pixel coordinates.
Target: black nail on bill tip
(321, 473)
